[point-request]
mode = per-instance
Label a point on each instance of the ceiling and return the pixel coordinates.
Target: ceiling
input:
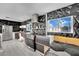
(23, 11)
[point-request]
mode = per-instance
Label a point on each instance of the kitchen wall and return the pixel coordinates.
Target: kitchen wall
(71, 10)
(12, 23)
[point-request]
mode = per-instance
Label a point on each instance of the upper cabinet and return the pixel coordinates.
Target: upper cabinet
(42, 19)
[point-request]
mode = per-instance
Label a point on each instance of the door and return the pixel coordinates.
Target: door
(7, 33)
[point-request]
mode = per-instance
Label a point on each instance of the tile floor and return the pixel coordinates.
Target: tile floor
(17, 48)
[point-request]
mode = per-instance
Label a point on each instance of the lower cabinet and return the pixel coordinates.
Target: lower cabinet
(29, 42)
(0, 42)
(42, 48)
(17, 35)
(42, 44)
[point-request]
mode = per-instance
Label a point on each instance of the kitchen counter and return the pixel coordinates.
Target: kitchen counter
(29, 40)
(42, 43)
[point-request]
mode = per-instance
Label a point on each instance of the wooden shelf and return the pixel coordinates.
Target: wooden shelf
(67, 40)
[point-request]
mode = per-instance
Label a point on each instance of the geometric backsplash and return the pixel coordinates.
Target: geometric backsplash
(40, 27)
